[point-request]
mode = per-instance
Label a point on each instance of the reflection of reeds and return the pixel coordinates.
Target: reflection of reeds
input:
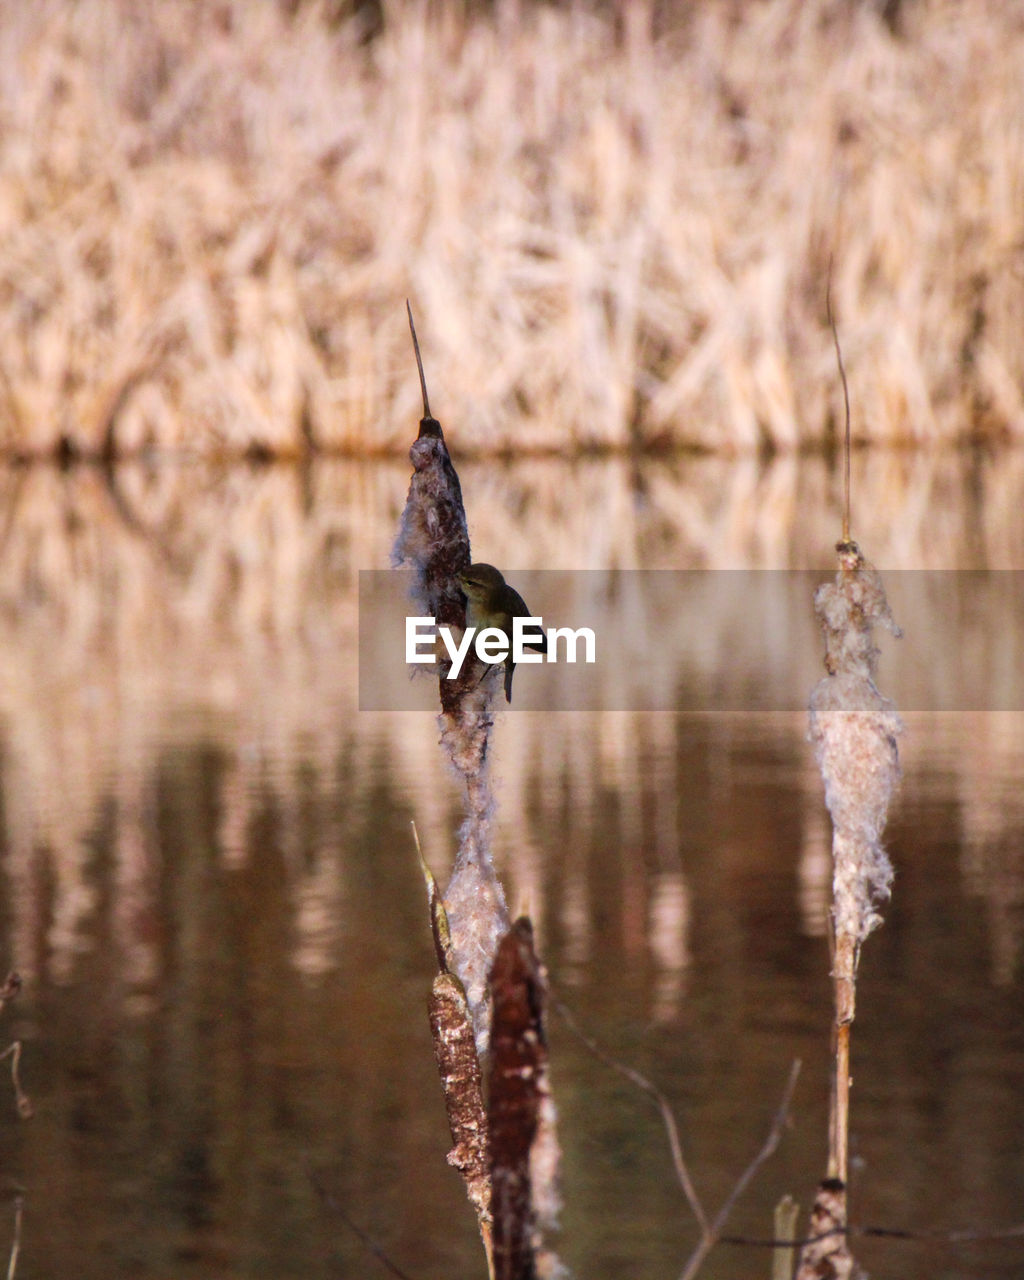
(211, 214)
(220, 608)
(194, 602)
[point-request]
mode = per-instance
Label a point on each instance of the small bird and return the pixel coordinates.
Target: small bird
(491, 602)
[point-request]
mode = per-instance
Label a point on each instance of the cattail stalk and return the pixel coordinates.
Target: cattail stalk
(433, 540)
(487, 1000)
(854, 730)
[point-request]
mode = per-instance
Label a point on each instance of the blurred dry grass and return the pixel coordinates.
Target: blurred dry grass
(211, 213)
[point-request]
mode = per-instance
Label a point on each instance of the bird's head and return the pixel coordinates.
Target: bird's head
(481, 582)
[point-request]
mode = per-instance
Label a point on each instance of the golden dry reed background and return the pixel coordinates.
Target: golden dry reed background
(614, 226)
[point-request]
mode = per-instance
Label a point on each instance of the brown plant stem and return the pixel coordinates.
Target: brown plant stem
(844, 980)
(838, 1159)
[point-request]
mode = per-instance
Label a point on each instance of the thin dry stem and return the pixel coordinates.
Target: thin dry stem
(19, 1210)
(667, 1118)
(839, 1140)
(710, 1230)
(332, 1202)
(768, 1149)
(419, 361)
(24, 1103)
(782, 1241)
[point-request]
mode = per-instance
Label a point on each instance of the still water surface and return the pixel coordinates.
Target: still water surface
(211, 892)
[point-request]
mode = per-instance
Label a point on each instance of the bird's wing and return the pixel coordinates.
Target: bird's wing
(520, 609)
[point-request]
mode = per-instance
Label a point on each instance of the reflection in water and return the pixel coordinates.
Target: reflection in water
(717, 641)
(212, 893)
(992, 852)
(815, 873)
(669, 929)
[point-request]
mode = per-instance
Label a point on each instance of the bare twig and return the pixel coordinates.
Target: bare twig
(667, 1118)
(19, 1209)
(709, 1230)
(768, 1148)
(332, 1203)
(10, 988)
(968, 1236)
(24, 1103)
